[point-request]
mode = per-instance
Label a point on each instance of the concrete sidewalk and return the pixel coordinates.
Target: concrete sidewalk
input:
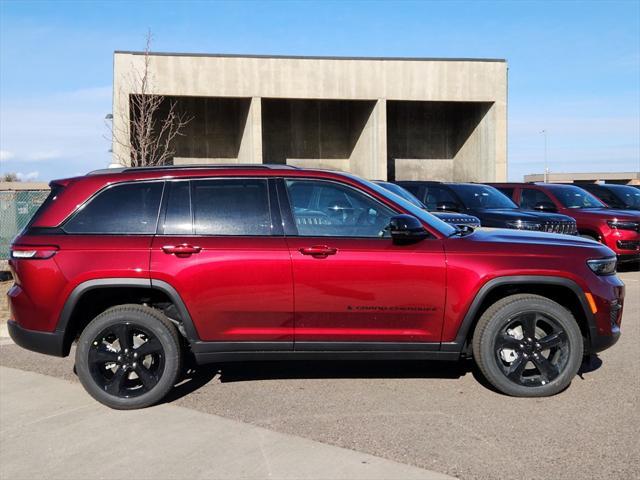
(52, 429)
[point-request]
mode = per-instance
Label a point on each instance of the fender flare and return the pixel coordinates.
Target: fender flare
(459, 342)
(82, 288)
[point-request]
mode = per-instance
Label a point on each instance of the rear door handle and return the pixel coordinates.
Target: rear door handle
(319, 251)
(181, 250)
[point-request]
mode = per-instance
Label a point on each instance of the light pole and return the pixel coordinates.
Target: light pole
(546, 168)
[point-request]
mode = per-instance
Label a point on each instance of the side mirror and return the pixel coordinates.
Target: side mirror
(545, 207)
(406, 229)
(448, 206)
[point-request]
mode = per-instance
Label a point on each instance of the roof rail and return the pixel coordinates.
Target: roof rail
(194, 167)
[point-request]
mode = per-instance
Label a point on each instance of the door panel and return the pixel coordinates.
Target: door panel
(223, 252)
(352, 282)
(369, 290)
(235, 288)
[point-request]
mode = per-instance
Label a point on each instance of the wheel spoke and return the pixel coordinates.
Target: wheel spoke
(528, 321)
(548, 370)
(152, 345)
(124, 334)
(102, 356)
(114, 386)
(505, 340)
(147, 378)
(555, 339)
(516, 368)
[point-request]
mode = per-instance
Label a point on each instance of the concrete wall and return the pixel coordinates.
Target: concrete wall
(350, 114)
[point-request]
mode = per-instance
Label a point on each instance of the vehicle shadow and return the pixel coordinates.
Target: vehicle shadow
(197, 377)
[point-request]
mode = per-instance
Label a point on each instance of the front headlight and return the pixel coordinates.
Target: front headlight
(524, 225)
(621, 225)
(603, 266)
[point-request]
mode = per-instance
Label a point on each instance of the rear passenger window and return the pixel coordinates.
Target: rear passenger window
(177, 219)
(508, 191)
(231, 207)
(530, 197)
(123, 209)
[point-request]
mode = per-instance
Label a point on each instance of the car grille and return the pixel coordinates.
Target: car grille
(568, 228)
(462, 221)
(629, 244)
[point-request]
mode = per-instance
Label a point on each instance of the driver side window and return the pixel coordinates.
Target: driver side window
(328, 209)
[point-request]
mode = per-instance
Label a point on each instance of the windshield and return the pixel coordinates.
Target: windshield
(407, 195)
(629, 196)
(434, 222)
(482, 196)
(575, 197)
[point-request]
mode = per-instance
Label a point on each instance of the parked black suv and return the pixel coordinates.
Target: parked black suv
(458, 219)
(620, 197)
(493, 208)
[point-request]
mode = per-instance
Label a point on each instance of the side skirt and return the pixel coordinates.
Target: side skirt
(211, 352)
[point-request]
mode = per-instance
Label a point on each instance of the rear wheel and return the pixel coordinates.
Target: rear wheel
(129, 357)
(528, 346)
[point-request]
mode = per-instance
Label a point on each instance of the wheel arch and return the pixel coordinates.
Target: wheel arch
(92, 297)
(551, 287)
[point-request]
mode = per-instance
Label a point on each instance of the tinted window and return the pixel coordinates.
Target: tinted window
(124, 209)
(177, 220)
(412, 188)
(508, 191)
(628, 196)
(575, 197)
(436, 195)
(231, 207)
(606, 196)
(401, 192)
(482, 196)
(330, 209)
(531, 197)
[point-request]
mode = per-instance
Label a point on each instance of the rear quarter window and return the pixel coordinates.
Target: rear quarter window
(122, 209)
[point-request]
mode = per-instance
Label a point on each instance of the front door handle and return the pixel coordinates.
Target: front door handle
(182, 250)
(320, 251)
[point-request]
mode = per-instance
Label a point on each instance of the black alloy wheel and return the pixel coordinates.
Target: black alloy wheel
(527, 345)
(532, 349)
(129, 357)
(126, 360)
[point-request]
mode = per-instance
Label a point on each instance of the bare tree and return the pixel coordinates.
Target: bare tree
(154, 121)
(10, 177)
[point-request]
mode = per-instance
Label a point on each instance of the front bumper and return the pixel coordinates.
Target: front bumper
(598, 343)
(629, 258)
(49, 343)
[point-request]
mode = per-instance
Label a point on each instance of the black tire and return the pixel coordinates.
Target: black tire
(516, 361)
(105, 368)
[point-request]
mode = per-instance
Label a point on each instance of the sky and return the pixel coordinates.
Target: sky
(574, 67)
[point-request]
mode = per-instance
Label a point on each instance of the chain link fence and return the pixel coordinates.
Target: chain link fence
(16, 209)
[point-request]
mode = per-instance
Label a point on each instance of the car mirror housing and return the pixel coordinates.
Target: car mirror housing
(406, 229)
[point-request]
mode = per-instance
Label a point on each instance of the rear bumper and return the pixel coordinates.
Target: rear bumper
(49, 343)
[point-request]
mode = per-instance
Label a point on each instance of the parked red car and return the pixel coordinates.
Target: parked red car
(144, 266)
(617, 229)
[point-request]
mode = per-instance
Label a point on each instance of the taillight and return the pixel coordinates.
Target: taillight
(36, 252)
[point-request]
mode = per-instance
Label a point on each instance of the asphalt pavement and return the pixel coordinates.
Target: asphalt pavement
(435, 416)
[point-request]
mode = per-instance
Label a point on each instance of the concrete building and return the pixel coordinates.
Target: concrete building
(395, 118)
(624, 178)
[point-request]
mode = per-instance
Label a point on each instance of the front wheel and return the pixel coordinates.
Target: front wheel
(528, 346)
(128, 357)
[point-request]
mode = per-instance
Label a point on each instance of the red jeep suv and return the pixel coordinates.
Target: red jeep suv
(617, 229)
(146, 266)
